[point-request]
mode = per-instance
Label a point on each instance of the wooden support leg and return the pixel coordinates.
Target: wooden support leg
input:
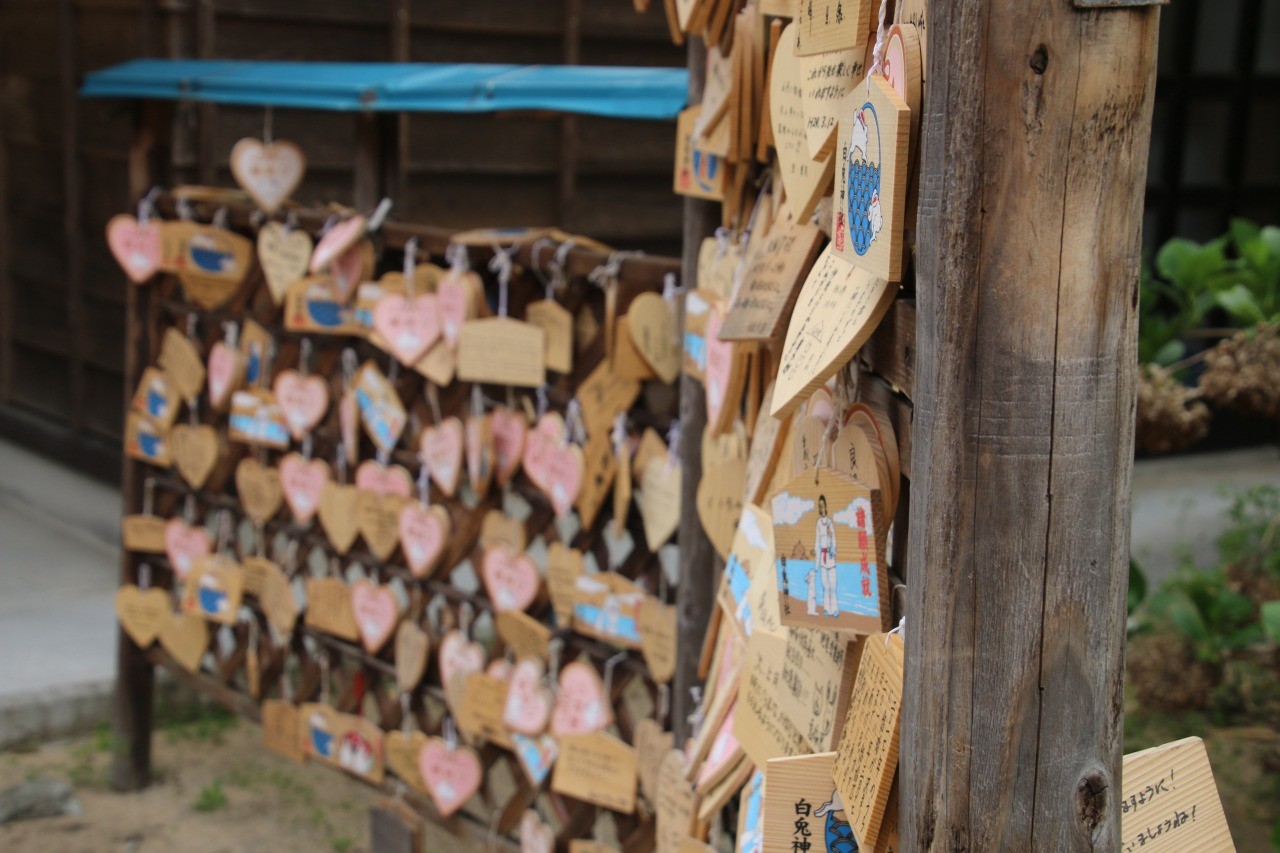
(1035, 140)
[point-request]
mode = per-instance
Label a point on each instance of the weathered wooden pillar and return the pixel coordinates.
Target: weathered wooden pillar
(1034, 159)
(699, 563)
(149, 165)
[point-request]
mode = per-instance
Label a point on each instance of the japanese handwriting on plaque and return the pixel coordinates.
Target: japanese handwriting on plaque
(802, 808)
(868, 753)
(1170, 803)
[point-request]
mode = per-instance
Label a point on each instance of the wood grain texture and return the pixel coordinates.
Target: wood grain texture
(1036, 126)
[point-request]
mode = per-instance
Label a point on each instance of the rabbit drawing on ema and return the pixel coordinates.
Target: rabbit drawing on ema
(864, 216)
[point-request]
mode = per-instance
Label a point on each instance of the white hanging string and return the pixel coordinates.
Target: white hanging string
(458, 258)
(877, 51)
(501, 263)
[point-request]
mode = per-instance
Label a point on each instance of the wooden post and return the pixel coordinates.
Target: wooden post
(699, 564)
(135, 676)
(1035, 143)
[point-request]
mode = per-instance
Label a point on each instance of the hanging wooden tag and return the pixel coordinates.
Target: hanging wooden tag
(536, 756)
(256, 419)
(627, 361)
(621, 485)
(1170, 802)
(137, 246)
(750, 559)
(195, 451)
(381, 411)
(801, 803)
(564, 566)
(402, 757)
(338, 515)
(461, 295)
(771, 283)
(509, 429)
(903, 71)
(345, 741)
(480, 709)
(839, 307)
(329, 608)
(212, 264)
(406, 326)
(651, 446)
(603, 395)
(225, 369)
(523, 634)
(143, 533)
(377, 613)
(342, 236)
(452, 776)
(157, 397)
(303, 482)
(723, 757)
(867, 758)
(653, 329)
(762, 725)
(751, 815)
(146, 440)
(254, 344)
(213, 589)
(806, 180)
(600, 465)
(185, 637)
(268, 172)
(459, 657)
(829, 77)
(718, 261)
(413, 650)
(303, 400)
(502, 351)
(283, 254)
(582, 706)
(259, 490)
(915, 13)
(315, 305)
(378, 519)
(479, 453)
(142, 613)
(806, 446)
(557, 326)
(829, 25)
(607, 606)
(441, 448)
(184, 544)
(424, 532)
(438, 365)
(536, 836)
(555, 466)
(597, 768)
(725, 376)
(264, 579)
(511, 578)
(869, 207)
(698, 172)
(499, 528)
(720, 502)
(182, 363)
(831, 568)
(766, 447)
(652, 746)
(281, 729)
(676, 803)
(658, 638)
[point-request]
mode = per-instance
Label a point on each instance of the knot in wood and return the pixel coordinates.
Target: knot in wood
(1040, 59)
(1091, 800)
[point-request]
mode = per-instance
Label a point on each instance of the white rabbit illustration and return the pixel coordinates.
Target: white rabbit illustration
(874, 216)
(858, 135)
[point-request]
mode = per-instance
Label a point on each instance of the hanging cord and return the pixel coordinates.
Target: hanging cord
(502, 264)
(877, 52)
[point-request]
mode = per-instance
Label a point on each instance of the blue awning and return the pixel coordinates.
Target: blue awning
(641, 93)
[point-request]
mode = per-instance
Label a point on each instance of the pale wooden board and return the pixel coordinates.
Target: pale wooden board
(597, 768)
(771, 282)
(839, 307)
(1170, 803)
(698, 172)
(795, 788)
(828, 79)
(805, 180)
(827, 25)
(501, 351)
(868, 754)
(868, 226)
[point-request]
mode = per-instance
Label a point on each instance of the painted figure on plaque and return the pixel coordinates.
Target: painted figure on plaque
(824, 558)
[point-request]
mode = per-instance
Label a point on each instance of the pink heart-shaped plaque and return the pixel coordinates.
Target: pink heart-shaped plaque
(389, 480)
(347, 270)
(581, 707)
(454, 302)
(184, 544)
(554, 466)
(337, 240)
(423, 533)
(136, 246)
(223, 371)
(499, 669)
(303, 400)
(528, 700)
(377, 612)
(441, 450)
(452, 776)
(509, 430)
(408, 325)
(536, 836)
(720, 356)
(723, 749)
(511, 578)
(268, 172)
(459, 657)
(303, 482)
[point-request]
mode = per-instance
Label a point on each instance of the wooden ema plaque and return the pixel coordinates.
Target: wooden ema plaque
(867, 758)
(597, 768)
(771, 283)
(1170, 803)
(802, 805)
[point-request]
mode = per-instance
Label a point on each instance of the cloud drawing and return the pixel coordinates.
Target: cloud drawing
(750, 528)
(789, 509)
(849, 515)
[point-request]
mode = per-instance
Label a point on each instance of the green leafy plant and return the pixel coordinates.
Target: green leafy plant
(1251, 293)
(1214, 618)
(211, 798)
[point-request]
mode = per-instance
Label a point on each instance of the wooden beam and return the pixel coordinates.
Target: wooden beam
(72, 215)
(1036, 131)
(570, 54)
(700, 566)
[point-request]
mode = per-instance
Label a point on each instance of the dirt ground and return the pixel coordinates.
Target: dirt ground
(216, 789)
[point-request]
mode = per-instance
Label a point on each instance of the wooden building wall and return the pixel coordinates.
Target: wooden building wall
(63, 159)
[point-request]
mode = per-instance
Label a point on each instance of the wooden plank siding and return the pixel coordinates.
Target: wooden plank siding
(64, 161)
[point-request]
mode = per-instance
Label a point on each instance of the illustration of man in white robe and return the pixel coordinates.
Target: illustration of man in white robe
(824, 558)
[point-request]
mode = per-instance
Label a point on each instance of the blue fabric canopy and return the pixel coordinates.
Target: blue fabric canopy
(641, 93)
